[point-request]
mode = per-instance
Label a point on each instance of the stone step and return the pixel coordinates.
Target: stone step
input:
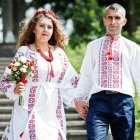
(7, 52)
(5, 59)
(77, 135)
(76, 125)
(5, 109)
(5, 117)
(1, 71)
(69, 110)
(2, 96)
(6, 102)
(2, 67)
(73, 116)
(3, 125)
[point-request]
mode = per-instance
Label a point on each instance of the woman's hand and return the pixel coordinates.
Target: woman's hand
(20, 88)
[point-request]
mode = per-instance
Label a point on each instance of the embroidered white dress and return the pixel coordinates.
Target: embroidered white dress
(42, 117)
(99, 72)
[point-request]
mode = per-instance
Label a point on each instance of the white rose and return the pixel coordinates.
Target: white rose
(17, 64)
(14, 69)
(23, 70)
(24, 66)
(23, 59)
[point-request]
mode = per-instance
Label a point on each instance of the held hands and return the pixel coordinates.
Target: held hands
(81, 108)
(20, 88)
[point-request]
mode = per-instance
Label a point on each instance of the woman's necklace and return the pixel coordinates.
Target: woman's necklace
(47, 58)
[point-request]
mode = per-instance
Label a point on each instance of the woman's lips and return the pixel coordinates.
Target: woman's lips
(44, 34)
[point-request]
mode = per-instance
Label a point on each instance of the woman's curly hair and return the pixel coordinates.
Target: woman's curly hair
(26, 35)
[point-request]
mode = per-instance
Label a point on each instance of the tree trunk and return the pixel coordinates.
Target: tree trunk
(131, 17)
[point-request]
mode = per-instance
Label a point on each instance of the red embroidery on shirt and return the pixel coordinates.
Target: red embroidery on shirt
(59, 113)
(31, 103)
(110, 72)
(65, 65)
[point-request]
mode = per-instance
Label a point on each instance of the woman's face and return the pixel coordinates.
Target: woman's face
(43, 30)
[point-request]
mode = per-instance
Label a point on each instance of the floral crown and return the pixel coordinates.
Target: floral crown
(44, 12)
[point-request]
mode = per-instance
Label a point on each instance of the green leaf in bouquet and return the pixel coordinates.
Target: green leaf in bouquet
(11, 77)
(29, 70)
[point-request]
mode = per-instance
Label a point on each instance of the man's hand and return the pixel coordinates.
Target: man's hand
(81, 108)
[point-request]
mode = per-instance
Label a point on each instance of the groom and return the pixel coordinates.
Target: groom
(110, 66)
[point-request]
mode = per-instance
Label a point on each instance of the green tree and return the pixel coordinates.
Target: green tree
(87, 19)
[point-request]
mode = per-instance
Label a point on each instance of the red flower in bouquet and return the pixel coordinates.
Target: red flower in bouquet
(21, 68)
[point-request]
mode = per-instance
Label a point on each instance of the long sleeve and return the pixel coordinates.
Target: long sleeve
(136, 68)
(6, 86)
(85, 82)
(69, 83)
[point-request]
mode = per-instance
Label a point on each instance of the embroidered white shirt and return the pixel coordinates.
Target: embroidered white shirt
(99, 72)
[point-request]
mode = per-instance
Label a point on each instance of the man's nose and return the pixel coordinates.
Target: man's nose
(113, 20)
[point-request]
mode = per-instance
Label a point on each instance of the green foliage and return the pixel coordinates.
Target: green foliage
(136, 35)
(87, 22)
(76, 55)
(137, 116)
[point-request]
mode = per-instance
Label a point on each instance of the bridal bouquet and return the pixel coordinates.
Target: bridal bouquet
(20, 69)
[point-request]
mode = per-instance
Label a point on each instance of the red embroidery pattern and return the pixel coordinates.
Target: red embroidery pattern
(35, 77)
(65, 65)
(18, 54)
(59, 113)
(31, 103)
(74, 81)
(110, 71)
(5, 84)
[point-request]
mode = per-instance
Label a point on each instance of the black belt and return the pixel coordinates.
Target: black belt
(110, 92)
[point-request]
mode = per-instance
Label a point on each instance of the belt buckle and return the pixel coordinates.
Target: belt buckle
(111, 92)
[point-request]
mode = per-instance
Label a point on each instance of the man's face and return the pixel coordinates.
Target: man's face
(114, 21)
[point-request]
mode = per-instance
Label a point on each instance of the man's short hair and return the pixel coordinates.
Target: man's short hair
(116, 7)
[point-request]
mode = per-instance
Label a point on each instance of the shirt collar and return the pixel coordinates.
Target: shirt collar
(116, 37)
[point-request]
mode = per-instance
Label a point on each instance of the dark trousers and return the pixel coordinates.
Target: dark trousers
(116, 110)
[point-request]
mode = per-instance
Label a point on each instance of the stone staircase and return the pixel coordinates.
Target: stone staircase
(75, 125)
